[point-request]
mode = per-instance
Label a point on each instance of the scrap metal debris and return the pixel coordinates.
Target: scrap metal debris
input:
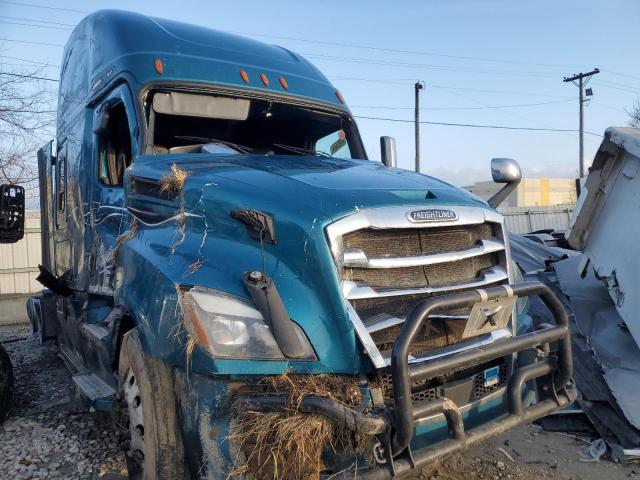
(595, 282)
(594, 451)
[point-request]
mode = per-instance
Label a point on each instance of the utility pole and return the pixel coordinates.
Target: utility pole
(581, 80)
(418, 86)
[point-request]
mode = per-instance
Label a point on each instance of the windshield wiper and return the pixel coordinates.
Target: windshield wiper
(302, 151)
(240, 148)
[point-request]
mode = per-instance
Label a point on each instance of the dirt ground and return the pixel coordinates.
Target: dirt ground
(51, 434)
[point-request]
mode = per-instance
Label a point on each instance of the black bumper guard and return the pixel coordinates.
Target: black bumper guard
(394, 425)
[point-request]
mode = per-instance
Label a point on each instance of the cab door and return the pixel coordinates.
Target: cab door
(62, 245)
(115, 133)
(46, 161)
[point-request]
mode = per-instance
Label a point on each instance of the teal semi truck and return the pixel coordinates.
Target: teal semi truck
(222, 260)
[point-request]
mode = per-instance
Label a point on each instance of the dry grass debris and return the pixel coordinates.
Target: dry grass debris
(289, 445)
(125, 237)
(194, 267)
(173, 183)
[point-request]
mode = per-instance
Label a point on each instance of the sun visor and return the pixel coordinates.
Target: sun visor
(190, 105)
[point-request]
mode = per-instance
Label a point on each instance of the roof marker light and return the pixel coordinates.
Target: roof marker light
(284, 83)
(244, 76)
(264, 79)
(159, 66)
(339, 96)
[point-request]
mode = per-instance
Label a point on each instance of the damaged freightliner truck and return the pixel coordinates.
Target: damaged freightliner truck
(251, 295)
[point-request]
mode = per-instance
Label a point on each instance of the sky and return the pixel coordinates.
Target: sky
(489, 62)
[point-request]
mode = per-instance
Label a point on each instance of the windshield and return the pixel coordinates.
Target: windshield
(197, 123)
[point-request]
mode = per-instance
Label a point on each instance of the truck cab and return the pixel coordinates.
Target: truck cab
(232, 275)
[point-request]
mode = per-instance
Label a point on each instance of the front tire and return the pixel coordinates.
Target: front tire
(147, 403)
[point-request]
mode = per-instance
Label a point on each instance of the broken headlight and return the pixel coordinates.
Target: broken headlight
(227, 326)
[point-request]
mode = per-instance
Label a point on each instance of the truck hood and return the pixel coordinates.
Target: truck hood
(200, 237)
(325, 186)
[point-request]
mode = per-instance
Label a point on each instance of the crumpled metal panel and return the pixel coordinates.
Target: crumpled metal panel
(613, 346)
(607, 225)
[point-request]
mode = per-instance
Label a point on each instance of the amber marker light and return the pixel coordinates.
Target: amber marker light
(244, 76)
(264, 79)
(284, 83)
(159, 66)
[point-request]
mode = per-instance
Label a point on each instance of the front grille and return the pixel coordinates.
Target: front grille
(388, 271)
(371, 309)
(438, 275)
(404, 242)
(437, 388)
(438, 332)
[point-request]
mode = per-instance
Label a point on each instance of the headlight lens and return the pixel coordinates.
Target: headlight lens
(228, 327)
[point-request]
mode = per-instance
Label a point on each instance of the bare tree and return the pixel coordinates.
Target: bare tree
(634, 115)
(26, 121)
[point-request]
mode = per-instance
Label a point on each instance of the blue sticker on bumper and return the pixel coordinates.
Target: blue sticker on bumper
(491, 376)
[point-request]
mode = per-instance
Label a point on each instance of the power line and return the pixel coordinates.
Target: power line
(321, 42)
(623, 85)
(37, 21)
(503, 127)
(452, 68)
(31, 77)
(481, 90)
(396, 50)
(474, 125)
(31, 43)
(45, 6)
(371, 62)
(30, 61)
(614, 87)
(608, 106)
(508, 112)
(381, 107)
(22, 24)
(626, 75)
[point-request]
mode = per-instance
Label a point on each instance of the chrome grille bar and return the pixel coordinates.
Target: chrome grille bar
(354, 257)
(378, 323)
(353, 291)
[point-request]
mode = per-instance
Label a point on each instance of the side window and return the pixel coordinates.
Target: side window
(334, 144)
(61, 186)
(114, 146)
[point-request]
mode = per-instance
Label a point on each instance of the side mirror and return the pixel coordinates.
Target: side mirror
(11, 213)
(504, 170)
(388, 151)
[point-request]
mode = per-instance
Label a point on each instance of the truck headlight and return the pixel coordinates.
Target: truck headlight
(227, 326)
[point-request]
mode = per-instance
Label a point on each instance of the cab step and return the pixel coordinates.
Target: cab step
(99, 392)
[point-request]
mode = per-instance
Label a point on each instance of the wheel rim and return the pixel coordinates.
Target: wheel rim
(133, 401)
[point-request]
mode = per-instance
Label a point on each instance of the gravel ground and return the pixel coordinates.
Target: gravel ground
(51, 434)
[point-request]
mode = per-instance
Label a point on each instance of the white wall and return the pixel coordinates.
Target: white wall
(19, 261)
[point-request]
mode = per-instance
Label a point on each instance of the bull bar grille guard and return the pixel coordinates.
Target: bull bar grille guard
(394, 425)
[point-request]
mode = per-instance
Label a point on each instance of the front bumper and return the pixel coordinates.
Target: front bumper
(394, 425)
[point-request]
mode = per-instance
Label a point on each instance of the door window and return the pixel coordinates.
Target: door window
(114, 146)
(61, 186)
